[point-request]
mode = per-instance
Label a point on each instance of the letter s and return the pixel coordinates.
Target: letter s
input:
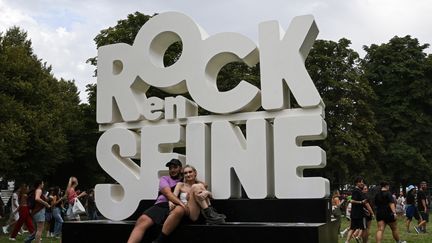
(113, 152)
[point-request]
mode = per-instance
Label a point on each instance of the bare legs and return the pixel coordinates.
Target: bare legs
(173, 220)
(142, 224)
(40, 227)
(380, 231)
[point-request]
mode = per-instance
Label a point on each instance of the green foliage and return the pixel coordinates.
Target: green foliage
(400, 74)
(33, 142)
(44, 130)
(352, 136)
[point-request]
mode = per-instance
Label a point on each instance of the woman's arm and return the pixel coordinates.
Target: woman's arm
(369, 208)
(39, 199)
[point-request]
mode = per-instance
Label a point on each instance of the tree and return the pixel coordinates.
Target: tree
(400, 74)
(42, 125)
(31, 134)
(352, 136)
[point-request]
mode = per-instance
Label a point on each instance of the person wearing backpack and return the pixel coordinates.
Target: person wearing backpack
(24, 213)
(38, 212)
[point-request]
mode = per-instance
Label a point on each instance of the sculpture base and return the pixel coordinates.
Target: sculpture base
(231, 232)
(265, 210)
(248, 220)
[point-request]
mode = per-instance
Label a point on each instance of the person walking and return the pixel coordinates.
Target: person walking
(369, 214)
(38, 212)
(411, 210)
(400, 204)
(386, 213)
(423, 207)
(56, 206)
(358, 221)
(336, 208)
(91, 206)
(14, 215)
(24, 213)
(72, 195)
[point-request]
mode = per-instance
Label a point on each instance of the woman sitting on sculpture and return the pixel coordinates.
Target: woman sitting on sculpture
(196, 197)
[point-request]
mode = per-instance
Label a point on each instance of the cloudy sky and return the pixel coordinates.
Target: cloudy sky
(62, 31)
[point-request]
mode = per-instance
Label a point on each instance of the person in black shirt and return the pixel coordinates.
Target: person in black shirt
(386, 213)
(423, 207)
(358, 221)
(368, 212)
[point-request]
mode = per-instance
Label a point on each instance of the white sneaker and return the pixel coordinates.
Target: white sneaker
(5, 230)
(12, 239)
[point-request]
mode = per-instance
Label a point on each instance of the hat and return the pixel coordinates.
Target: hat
(174, 162)
(410, 187)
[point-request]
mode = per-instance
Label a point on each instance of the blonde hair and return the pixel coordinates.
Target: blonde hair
(193, 169)
(73, 181)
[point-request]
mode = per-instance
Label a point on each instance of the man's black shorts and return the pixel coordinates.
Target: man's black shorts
(158, 212)
(358, 224)
(387, 218)
(424, 216)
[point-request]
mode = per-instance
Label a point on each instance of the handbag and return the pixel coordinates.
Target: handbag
(77, 207)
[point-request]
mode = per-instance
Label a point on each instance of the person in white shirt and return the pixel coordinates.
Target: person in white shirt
(14, 216)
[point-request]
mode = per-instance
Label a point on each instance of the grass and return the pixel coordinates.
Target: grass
(20, 238)
(412, 237)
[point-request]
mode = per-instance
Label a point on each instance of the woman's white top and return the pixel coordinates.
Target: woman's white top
(182, 197)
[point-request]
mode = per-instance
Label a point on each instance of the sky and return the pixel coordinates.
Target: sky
(62, 31)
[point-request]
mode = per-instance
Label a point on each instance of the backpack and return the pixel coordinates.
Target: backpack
(31, 199)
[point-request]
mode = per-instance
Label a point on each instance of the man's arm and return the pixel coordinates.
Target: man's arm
(166, 191)
(424, 204)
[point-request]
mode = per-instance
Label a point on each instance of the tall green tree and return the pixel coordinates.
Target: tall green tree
(352, 137)
(31, 135)
(41, 119)
(400, 74)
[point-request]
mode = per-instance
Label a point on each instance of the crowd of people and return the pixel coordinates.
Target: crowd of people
(36, 209)
(360, 207)
(184, 198)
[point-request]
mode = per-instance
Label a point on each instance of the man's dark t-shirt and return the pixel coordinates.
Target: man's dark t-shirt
(382, 202)
(357, 211)
(421, 196)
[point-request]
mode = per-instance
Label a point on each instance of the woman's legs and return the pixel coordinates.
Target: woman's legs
(58, 221)
(39, 229)
(365, 235)
(193, 204)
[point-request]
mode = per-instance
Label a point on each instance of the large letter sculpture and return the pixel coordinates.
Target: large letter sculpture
(266, 158)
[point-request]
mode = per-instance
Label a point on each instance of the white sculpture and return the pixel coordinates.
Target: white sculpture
(267, 162)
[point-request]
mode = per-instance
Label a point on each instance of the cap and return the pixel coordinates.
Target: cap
(173, 162)
(410, 187)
